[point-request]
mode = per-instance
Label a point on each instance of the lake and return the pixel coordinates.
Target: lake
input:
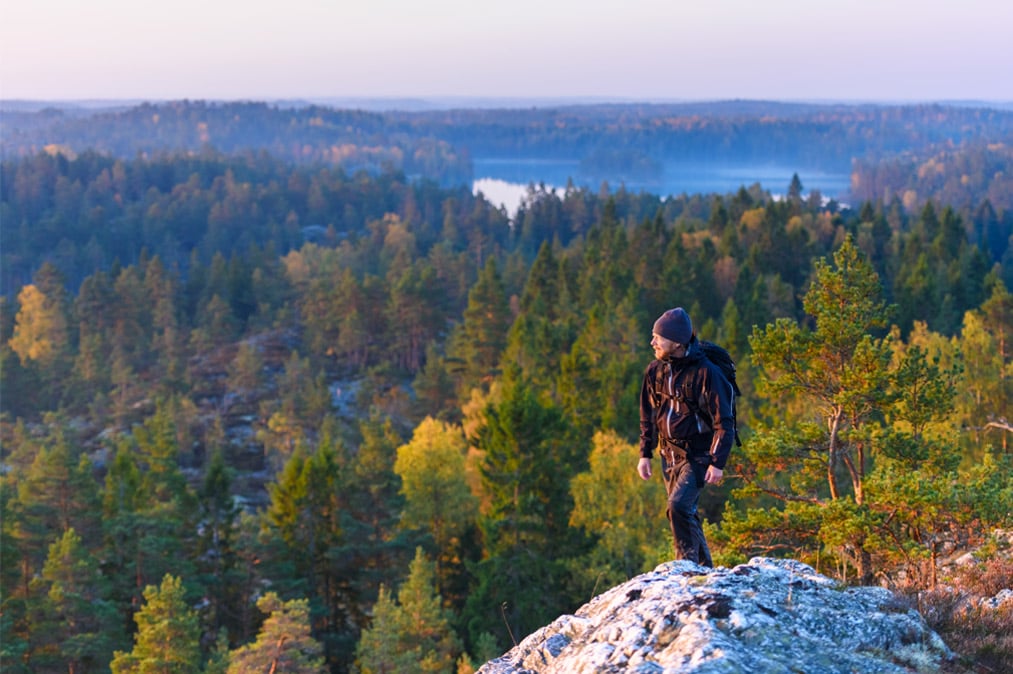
(505, 181)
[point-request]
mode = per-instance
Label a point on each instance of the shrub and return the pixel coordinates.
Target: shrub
(981, 633)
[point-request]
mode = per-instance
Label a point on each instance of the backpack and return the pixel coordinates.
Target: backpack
(720, 357)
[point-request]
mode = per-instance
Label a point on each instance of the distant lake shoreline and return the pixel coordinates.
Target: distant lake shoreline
(505, 181)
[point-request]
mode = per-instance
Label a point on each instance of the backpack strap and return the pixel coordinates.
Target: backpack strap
(735, 395)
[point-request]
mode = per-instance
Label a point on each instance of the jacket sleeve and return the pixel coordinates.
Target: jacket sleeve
(648, 428)
(718, 399)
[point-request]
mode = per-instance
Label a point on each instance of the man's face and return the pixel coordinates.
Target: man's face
(666, 347)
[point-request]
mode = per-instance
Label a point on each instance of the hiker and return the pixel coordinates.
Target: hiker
(686, 404)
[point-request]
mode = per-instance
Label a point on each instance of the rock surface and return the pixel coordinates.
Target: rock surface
(767, 616)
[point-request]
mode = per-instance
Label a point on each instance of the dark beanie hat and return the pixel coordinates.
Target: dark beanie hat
(675, 325)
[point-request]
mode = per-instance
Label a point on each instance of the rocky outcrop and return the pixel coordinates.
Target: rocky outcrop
(766, 616)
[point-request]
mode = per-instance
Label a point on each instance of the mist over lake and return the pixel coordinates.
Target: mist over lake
(506, 180)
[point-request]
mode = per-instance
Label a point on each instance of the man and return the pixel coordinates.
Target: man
(686, 405)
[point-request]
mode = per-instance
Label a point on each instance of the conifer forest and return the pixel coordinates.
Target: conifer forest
(279, 376)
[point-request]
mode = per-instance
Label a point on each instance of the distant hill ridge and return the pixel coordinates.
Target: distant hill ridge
(440, 143)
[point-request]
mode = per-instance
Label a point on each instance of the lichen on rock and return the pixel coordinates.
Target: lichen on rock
(769, 615)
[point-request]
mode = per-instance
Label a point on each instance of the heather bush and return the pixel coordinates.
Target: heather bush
(967, 614)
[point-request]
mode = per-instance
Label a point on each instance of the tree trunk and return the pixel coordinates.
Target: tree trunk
(832, 458)
(864, 560)
(856, 478)
(933, 578)
(277, 654)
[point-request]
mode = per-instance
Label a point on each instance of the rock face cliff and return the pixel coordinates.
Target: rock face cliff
(767, 616)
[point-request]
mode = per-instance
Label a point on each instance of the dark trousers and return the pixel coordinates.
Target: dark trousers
(683, 481)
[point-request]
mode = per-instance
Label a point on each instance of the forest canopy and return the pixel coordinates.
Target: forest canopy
(267, 398)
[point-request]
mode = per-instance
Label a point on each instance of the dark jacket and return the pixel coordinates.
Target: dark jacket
(686, 404)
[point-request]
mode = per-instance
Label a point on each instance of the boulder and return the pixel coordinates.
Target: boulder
(767, 616)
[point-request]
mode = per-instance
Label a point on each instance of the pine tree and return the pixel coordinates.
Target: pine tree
(218, 660)
(285, 521)
(839, 366)
(168, 634)
(216, 325)
(57, 493)
(427, 625)
(285, 642)
(853, 441)
(158, 446)
(346, 324)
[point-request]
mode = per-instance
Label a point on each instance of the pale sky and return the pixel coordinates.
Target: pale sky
(882, 50)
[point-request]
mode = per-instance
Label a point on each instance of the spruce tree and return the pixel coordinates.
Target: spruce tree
(412, 635)
(74, 625)
(55, 494)
(526, 468)
(217, 560)
(374, 548)
(167, 341)
(311, 548)
(479, 341)
(415, 314)
(93, 316)
(544, 330)
(149, 509)
(436, 385)
(599, 378)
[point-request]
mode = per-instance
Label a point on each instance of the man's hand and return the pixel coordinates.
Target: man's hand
(644, 468)
(713, 475)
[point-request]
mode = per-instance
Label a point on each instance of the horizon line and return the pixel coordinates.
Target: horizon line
(439, 102)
